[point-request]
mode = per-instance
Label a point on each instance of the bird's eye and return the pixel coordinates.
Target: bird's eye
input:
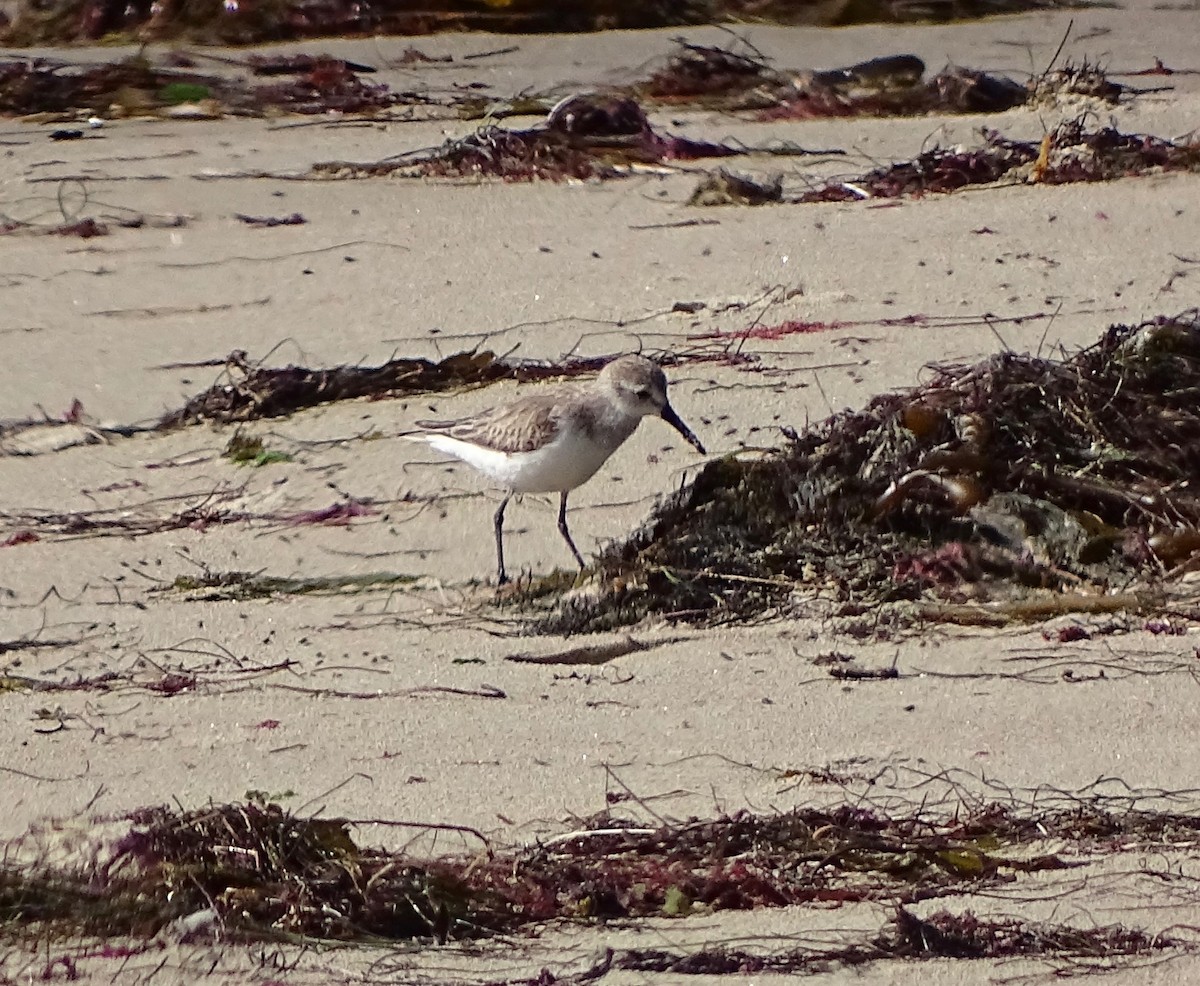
(642, 395)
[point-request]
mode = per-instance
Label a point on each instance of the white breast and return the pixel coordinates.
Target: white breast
(570, 460)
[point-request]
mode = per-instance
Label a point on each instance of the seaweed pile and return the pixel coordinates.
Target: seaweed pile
(583, 137)
(894, 86)
(1014, 479)
(1069, 153)
(254, 871)
(134, 87)
(693, 76)
(741, 78)
(252, 392)
(241, 22)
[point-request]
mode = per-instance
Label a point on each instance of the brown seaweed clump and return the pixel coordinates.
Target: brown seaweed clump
(249, 22)
(254, 871)
(252, 392)
(583, 137)
(893, 86)
(715, 78)
(135, 87)
(1069, 153)
(1014, 478)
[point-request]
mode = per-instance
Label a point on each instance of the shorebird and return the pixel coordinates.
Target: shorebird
(554, 439)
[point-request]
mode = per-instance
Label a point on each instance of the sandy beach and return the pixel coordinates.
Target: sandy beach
(403, 702)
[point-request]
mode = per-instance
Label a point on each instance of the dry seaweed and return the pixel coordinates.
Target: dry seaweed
(302, 63)
(85, 228)
(892, 86)
(940, 936)
(713, 77)
(1069, 153)
(241, 22)
(583, 137)
(250, 392)
(270, 222)
(212, 586)
(134, 87)
(699, 76)
(1014, 480)
(258, 872)
(740, 78)
(201, 513)
(254, 392)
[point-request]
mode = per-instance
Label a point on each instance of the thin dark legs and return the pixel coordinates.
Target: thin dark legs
(562, 529)
(501, 575)
(498, 523)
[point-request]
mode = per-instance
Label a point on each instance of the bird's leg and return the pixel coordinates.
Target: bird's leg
(562, 529)
(501, 576)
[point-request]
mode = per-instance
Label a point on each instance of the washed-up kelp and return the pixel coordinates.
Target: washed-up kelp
(1069, 153)
(251, 392)
(892, 85)
(134, 87)
(944, 935)
(583, 137)
(242, 22)
(1016, 477)
(256, 871)
(740, 78)
(875, 88)
(254, 392)
(715, 78)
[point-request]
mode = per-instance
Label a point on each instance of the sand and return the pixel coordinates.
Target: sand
(364, 722)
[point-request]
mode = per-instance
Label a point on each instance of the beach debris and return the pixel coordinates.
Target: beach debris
(196, 512)
(583, 137)
(240, 586)
(741, 78)
(134, 87)
(712, 77)
(942, 936)
(1030, 485)
(302, 64)
(893, 86)
(735, 78)
(1072, 83)
(335, 515)
(85, 228)
(270, 222)
(1069, 153)
(252, 392)
(19, 537)
(249, 392)
(242, 22)
(262, 871)
(53, 433)
(324, 85)
(250, 450)
(590, 654)
(723, 187)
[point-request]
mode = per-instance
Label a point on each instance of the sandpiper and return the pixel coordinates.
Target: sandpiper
(555, 439)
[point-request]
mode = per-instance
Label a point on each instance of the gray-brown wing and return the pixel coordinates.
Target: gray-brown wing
(521, 426)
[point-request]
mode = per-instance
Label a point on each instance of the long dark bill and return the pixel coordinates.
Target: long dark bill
(676, 422)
